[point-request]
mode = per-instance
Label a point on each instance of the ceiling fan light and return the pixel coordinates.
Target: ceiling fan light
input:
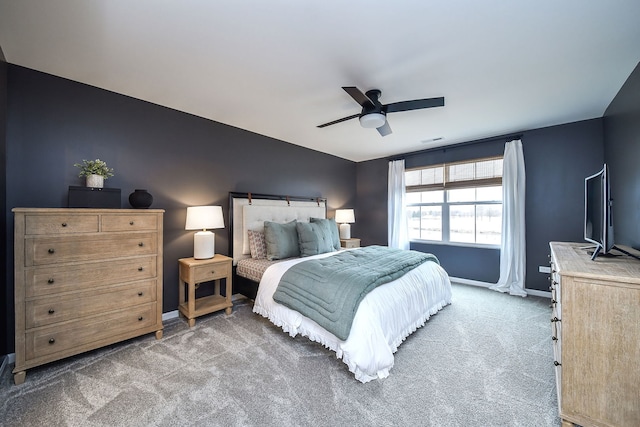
(372, 120)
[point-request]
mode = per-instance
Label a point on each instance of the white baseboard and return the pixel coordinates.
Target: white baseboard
(533, 292)
(470, 282)
(169, 315)
(537, 293)
(5, 362)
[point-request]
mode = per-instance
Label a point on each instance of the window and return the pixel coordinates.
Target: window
(456, 202)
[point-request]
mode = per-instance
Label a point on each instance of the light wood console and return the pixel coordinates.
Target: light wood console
(596, 335)
(84, 278)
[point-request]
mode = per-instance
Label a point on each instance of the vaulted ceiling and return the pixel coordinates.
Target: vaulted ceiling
(277, 67)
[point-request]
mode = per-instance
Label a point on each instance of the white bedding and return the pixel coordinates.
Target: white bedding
(385, 317)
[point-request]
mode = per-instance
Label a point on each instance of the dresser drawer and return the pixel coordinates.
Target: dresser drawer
(206, 273)
(81, 333)
(50, 280)
(60, 224)
(52, 250)
(129, 222)
(49, 310)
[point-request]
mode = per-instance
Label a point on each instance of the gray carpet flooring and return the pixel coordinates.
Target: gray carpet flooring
(485, 360)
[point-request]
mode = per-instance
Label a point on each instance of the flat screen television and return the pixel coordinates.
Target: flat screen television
(598, 221)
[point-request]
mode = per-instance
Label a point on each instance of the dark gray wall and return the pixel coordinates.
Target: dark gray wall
(557, 159)
(622, 153)
(181, 159)
(5, 293)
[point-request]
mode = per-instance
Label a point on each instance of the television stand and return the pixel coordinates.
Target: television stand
(626, 252)
(597, 252)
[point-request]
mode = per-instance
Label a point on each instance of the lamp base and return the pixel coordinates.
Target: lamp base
(204, 245)
(345, 231)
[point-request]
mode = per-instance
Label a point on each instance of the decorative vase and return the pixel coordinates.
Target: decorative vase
(95, 181)
(140, 199)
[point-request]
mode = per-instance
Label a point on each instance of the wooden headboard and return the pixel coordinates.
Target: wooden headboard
(248, 211)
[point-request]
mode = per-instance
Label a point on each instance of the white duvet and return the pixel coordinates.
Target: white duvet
(385, 317)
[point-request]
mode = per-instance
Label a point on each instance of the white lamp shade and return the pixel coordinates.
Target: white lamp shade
(372, 120)
(344, 216)
(203, 217)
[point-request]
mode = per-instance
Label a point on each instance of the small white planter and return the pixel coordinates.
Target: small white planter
(95, 181)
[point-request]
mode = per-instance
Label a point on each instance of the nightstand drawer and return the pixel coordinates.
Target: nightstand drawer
(350, 243)
(60, 224)
(129, 222)
(205, 273)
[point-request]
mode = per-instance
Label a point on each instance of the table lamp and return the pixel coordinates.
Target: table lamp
(201, 218)
(344, 217)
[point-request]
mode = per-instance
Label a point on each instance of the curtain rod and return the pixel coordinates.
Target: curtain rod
(506, 138)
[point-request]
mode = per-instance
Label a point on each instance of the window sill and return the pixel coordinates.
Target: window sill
(460, 244)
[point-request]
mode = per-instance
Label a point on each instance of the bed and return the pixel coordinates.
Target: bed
(384, 318)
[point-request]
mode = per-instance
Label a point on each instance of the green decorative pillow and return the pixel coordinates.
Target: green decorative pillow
(281, 240)
(313, 238)
(332, 226)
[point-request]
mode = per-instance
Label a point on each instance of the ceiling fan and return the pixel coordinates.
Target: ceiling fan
(374, 114)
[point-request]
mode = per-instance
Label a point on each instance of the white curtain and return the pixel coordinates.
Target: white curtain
(512, 247)
(398, 231)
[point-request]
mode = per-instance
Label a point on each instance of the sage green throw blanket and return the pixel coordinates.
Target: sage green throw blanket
(329, 290)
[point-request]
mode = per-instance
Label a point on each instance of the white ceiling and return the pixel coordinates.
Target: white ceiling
(277, 67)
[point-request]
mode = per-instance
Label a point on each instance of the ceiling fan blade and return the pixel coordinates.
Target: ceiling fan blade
(344, 119)
(360, 97)
(385, 129)
(416, 104)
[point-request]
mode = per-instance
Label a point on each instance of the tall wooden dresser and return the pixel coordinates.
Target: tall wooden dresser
(596, 333)
(84, 278)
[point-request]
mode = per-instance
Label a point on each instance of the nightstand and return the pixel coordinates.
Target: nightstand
(350, 243)
(194, 271)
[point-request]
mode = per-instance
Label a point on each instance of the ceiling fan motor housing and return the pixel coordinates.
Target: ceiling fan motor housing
(374, 119)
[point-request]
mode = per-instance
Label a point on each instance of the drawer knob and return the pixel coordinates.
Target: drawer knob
(64, 224)
(555, 362)
(555, 319)
(140, 294)
(50, 281)
(140, 268)
(553, 301)
(140, 318)
(130, 222)
(141, 244)
(52, 340)
(51, 311)
(51, 251)
(554, 338)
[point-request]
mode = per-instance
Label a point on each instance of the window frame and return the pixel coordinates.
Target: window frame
(445, 204)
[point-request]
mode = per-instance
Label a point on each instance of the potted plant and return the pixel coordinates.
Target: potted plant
(96, 172)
